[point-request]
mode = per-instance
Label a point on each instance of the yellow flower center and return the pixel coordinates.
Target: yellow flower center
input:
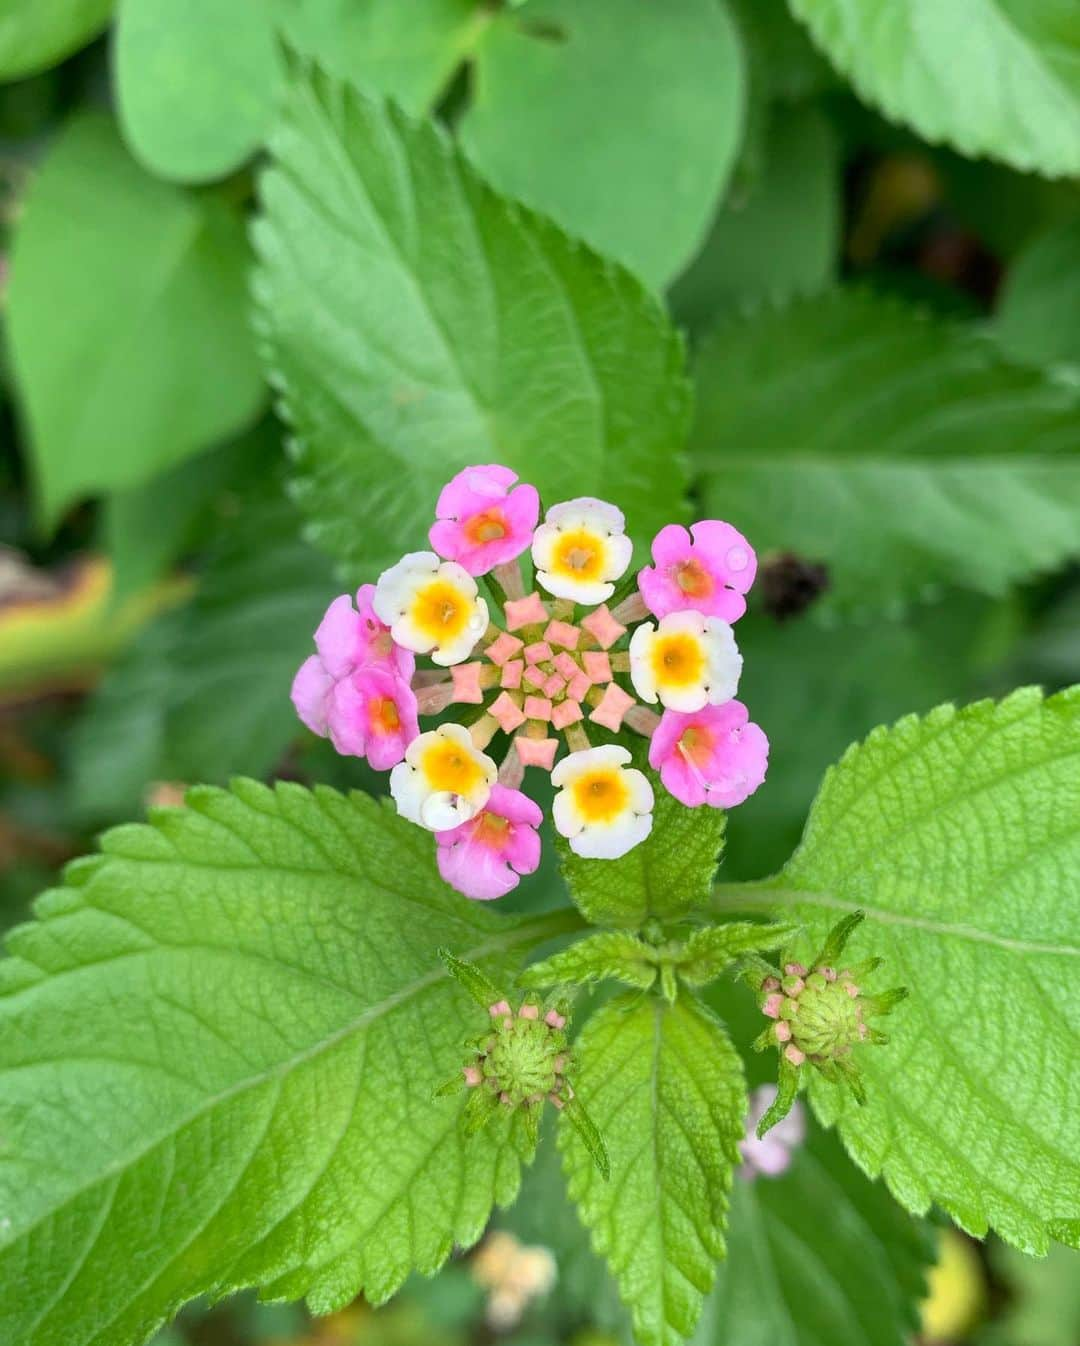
(448, 766)
(384, 715)
(678, 660)
(695, 745)
(579, 555)
(488, 526)
(441, 611)
(491, 829)
(601, 795)
(693, 579)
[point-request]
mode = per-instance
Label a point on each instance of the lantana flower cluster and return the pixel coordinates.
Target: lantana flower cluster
(536, 651)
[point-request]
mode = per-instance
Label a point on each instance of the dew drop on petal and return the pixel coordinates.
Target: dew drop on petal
(738, 558)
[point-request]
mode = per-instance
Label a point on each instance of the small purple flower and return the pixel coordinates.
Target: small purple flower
(770, 1156)
(706, 570)
(484, 857)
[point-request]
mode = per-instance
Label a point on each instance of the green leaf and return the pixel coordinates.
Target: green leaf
(667, 875)
(1036, 315)
(38, 34)
(989, 77)
(641, 183)
(416, 323)
(197, 82)
(218, 1045)
(614, 954)
(816, 1257)
(665, 1087)
(713, 948)
(1044, 1305)
(148, 360)
(780, 236)
(204, 693)
(957, 835)
(784, 63)
(902, 451)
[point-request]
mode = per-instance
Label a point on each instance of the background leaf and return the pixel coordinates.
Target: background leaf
(957, 835)
(205, 694)
(1036, 316)
(148, 359)
(816, 1257)
(36, 35)
(668, 874)
(219, 1046)
(900, 450)
(640, 184)
(416, 323)
(993, 77)
(665, 1087)
(778, 236)
(197, 83)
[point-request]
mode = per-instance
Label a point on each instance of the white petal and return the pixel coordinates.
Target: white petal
(589, 592)
(687, 700)
(408, 791)
(441, 811)
(568, 822)
(641, 666)
(620, 550)
(575, 764)
(396, 587)
(614, 840)
(725, 661)
(641, 792)
(586, 511)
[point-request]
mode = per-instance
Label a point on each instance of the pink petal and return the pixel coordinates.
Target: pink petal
(310, 689)
(338, 638)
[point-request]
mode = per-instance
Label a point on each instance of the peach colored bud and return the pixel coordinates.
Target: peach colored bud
(851, 989)
(772, 1004)
(829, 973)
(529, 1012)
(782, 1031)
(795, 969)
(472, 1076)
(499, 1007)
(771, 984)
(555, 1101)
(554, 1019)
(793, 1054)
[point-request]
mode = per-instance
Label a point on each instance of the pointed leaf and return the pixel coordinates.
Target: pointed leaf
(218, 1046)
(709, 951)
(415, 323)
(611, 953)
(665, 1088)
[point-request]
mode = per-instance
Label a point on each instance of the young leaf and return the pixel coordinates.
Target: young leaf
(956, 834)
(902, 451)
(415, 323)
(149, 359)
(665, 1088)
(614, 954)
(218, 1046)
(668, 874)
(816, 1257)
(985, 77)
(709, 951)
(38, 35)
(642, 185)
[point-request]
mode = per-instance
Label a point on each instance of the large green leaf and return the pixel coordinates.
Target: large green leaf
(35, 34)
(780, 235)
(957, 835)
(659, 89)
(665, 1087)
(218, 1048)
(416, 323)
(663, 877)
(817, 1257)
(204, 693)
(1037, 312)
(902, 451)
(198, 80)
(993, 77)
(148, 359)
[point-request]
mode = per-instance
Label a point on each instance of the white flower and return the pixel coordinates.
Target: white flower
(687, 662)
(431, 607)
(444, 780)
(580, 548)
(603, 808)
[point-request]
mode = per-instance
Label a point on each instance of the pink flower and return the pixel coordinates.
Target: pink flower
(483, 857)
(770, 1156)
(481, 523)
(357, 683)
(712, 756)
(708, 570)
(368, 713)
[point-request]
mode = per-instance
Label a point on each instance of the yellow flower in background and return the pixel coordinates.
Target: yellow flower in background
(956, 1297)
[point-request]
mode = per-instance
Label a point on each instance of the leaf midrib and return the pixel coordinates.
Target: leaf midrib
(535, 931)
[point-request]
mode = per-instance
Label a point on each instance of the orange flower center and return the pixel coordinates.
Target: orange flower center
(695, 745)
(488, 526)
(384, 715)
(693, 579)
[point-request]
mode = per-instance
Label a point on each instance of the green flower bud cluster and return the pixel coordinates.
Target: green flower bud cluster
(819, 1014)
(519, 1063)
